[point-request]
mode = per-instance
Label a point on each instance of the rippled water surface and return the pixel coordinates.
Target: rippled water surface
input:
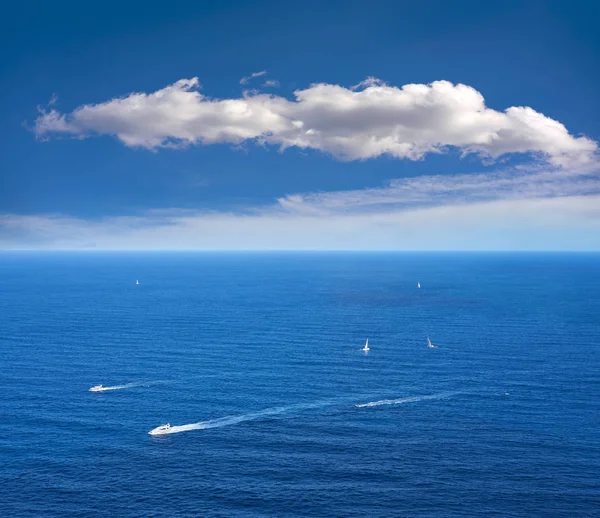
(255, 361)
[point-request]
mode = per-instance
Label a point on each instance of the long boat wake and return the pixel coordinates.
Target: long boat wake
(399, 401)
(101, 388)
(233, 420)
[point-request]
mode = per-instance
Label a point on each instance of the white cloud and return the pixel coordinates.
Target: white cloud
(245, 80)
(569, 223)
(369, 81)
(444, 190)
(524, 209)
(273, 83)
(371, 120)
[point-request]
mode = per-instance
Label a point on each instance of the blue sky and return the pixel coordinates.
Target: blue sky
(477, 130)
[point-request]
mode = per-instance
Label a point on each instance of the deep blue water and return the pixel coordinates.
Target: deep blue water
(209, 336)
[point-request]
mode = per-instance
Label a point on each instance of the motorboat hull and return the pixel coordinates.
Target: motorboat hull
(160, 430)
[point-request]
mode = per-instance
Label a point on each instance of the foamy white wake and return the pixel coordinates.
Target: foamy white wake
(231, 420)
(128, 385)
(441, 395)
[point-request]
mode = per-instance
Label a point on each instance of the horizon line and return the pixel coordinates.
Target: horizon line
(299, 250)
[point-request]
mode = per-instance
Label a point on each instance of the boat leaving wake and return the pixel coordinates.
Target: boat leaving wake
(168, 429)
(441, 395)
(100, 388)
(231, 420)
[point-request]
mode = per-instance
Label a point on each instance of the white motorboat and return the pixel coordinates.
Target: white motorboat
(160, 430)
(97, 388)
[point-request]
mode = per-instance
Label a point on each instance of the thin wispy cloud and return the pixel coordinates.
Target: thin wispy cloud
(369, 81)
(245, 80)
(369, 120)
(271, 83)
(511, 209)
(445, 190)
(566, 223)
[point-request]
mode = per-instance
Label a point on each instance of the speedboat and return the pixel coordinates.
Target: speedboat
(97, 388)
(160, 430)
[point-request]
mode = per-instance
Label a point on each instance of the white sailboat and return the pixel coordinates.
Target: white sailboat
(429, 344)
(366, 347)
(137, 281)
(418, 284)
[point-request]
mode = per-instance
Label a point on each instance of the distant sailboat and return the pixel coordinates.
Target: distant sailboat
(418, 284)
(429, 344)
(366, 347)
(137, 281)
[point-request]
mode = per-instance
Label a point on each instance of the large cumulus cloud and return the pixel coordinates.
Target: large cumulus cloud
(358, 123)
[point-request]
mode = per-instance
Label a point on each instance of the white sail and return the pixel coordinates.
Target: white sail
(418, 284)
(366, 347)
(137, 281)
(429, 344)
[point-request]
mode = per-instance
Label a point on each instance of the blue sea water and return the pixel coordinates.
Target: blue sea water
(263, 350)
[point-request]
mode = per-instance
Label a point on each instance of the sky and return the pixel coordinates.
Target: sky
(269, 125)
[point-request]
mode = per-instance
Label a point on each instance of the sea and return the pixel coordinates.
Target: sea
(255, 361)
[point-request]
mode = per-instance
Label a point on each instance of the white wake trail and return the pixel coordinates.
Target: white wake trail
(118, 387)
(127, 385)
(399, 401)
(231, 420)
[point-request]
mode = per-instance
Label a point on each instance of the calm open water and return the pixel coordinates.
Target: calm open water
(263, 351)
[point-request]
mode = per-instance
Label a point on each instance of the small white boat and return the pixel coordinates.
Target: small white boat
(418, 284)
(366, 347)
(97, 388)
(137, 281)
(429, 344)
(160, 430)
